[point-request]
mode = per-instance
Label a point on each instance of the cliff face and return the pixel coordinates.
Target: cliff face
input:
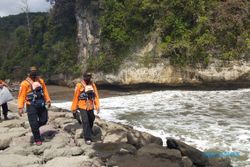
(234, 73)
(87, 14)
(134, 71)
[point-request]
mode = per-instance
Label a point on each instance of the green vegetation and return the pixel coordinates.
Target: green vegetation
(51, 45)
(192, 31)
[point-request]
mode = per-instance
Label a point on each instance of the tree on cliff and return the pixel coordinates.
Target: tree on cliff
(188, 32)
(53, 47)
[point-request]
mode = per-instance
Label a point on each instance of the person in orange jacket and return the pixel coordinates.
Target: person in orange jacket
(34, 93)
(5, 108)
(85, 100)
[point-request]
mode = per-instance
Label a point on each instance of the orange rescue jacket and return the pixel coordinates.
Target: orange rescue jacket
(85, 104)
(25, 89)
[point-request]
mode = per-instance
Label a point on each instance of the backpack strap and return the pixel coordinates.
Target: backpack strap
(83, 84)
(30, 81)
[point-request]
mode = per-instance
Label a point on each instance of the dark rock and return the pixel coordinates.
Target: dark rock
(220, 162)
(187, 162)
(198, 158)
(194, 154)
(97, 133)
(139, 139)
(106, 150)
(141, 161)
(158, 151)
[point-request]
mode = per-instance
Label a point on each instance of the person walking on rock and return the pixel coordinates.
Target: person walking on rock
(5, 108)
(34, 93)
(85, 100)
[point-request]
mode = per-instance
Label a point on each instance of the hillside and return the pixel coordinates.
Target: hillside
(135, 41)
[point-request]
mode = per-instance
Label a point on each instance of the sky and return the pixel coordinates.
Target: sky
(12, 7)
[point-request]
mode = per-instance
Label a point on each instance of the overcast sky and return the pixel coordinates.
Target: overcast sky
(11, 7)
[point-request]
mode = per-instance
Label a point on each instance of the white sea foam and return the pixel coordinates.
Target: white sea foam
(205, 119)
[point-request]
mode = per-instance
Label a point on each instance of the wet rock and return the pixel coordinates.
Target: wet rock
(194, 154)
(13, 160)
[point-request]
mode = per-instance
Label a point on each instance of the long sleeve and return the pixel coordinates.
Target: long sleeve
(46, 93)
(96, 102)
(75, 98)
(22, 95)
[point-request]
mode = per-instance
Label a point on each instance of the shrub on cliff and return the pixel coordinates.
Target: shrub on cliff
(192, 31)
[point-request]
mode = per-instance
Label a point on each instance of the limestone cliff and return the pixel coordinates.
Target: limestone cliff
(87, 14)
(134, 71)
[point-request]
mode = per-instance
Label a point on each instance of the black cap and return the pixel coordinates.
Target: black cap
(87, 74)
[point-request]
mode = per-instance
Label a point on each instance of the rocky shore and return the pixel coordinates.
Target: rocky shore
(114, 145)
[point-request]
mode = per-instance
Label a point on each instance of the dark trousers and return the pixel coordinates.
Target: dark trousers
(88, 118)
(37, 118)
(5, 109)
